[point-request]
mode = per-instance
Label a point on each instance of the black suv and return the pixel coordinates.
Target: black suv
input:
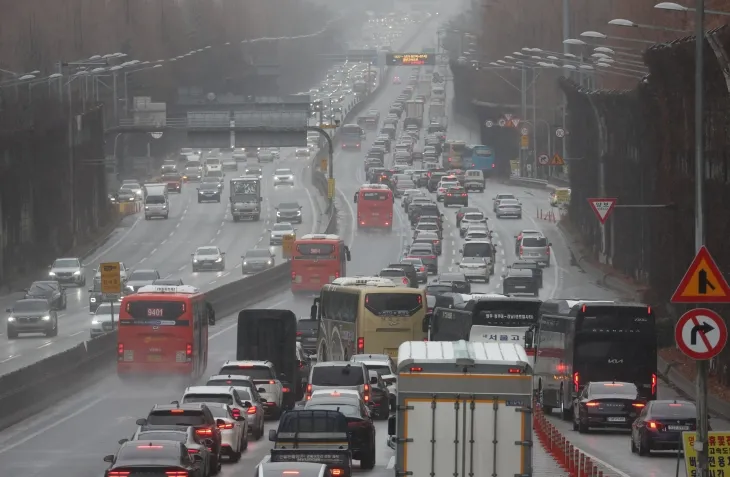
(530, 265)
(195, 415)
(520, 281)
(49, 290)
(307, 332)
(434, 179)
(427, 210)
(456, 196)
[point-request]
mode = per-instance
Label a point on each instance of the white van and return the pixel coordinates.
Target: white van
(474, 180)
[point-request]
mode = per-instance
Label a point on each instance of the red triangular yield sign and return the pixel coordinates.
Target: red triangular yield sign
(602, 207)
(703, 282)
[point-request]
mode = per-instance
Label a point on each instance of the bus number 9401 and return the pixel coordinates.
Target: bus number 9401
(154, 312)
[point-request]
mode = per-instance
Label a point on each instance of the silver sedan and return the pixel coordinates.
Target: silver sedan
(105, 318)
(281, 230)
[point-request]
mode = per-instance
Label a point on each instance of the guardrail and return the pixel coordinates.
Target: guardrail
(25, 391)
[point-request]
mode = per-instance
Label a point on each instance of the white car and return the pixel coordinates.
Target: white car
(302, 152)
(509, 208)
(213, 165)
(235, 440)
(443, 187)
(247, 392)
(275, 152)
(469, 219)
(279, 231)
(499, 197)
(283, 176)
(475, 268)
(239, 154)
(476, 233)
(265, 155)
(264, 376)
(229, 164)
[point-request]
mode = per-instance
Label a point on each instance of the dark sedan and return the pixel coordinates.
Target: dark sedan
(171, 457)
(256, 260)
(307, 332)
(48, 290)
(661, 424)
(209, 192)
(458, 282)
(32, 315)
(289, 212)
(380, 403)
(608, 405)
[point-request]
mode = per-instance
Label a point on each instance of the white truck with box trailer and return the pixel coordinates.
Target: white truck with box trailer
(463, 409)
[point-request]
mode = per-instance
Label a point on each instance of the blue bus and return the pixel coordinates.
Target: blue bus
(351, 136)
(480, 157)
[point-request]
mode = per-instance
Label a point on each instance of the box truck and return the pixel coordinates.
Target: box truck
(463, 409)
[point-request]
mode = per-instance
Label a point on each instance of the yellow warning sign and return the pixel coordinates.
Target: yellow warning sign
(287, 245)
(703, 282)
(111, 282)
(330, 188)
(718, 448)
(323, 164)
(525, 141)
(556, 160)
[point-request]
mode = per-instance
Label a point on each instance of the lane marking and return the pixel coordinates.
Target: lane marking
(143, 259)
(47, 343)
(78, 333)
(12, 356)
(163, 242)
(154, 250)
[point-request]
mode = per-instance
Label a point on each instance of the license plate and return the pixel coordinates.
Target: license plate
(311, 339)
(520, 288)
(616, 419)
(314, 280)
(154, 357)
(678, 428)
(392, 352)
(375, 214)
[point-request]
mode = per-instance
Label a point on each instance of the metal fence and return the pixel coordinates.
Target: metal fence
(645, 140)
(52, 183)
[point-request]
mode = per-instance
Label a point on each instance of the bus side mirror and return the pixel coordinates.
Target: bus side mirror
(529, 338)
(391, 426)
(313, 312)
(355, 199)
(348, 255)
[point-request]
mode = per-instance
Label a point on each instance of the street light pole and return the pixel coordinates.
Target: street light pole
(702, 365)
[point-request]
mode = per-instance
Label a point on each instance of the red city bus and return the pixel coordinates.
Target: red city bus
(163, 330)
(317, 259)
(375, 206)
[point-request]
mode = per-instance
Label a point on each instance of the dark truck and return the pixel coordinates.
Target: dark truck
(271, 335)
(313, 436)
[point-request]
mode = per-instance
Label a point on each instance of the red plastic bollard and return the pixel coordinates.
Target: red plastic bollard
(588, 469)
(581, 464)
(570, 456)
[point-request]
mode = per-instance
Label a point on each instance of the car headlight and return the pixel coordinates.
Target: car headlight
(92, 300)
(245, 263)
(269, 262)
(46, 318)
(195, 260)
(130, 287)
(11, 319)
(299, 212)
(52, 274)
(220, 259)
(77, 273)
(278, 214)
(146, 207)
(95, 322)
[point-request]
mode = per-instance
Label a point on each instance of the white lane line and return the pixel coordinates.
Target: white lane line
(177, 225)
(12, 356)
(212, 282)
(163, 242)
(154, 250)
(124, 236)
(219, 232)
(171, 234)
(182, 268)
(47, 343)
(78, 333)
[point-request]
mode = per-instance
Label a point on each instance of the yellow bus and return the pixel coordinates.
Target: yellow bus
(367, 315)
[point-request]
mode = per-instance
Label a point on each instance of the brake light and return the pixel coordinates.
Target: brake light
(177, 411)
(189, 350)
(653, 384)
(367, 393)
(236, 413)
(357, 424)
(547, 250)
(654, 426)
(448, 195)
(423, 269)
(150, 447)
(204, 431)
(521, 250)
(592, 404)
(449, 159)
(225, 426)
(120, 351)
(193, 451)
(337, 274)
(285, 390)
(639, 404)
(432, 256)
(360, 344)
(463, 195)
(492, 166)
(299, 333)
(515, 371)
(530, 352)
(118, 473)
(251, 410)
(576, 381)
(416, 369)
(293, 275)
(176, 473)
(271, 381)
(336, 472)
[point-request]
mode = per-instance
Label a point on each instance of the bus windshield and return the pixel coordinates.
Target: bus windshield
(351, 129)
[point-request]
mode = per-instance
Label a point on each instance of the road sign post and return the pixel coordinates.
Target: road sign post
(525, 142)
(544, 159)
(701, 334)
(111, 281)
(602, 207)
(703, 282)
(557, 160)
(560, 132)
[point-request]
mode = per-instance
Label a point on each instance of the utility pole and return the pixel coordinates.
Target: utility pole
(566, 74)
(702, 365)
(523, 114)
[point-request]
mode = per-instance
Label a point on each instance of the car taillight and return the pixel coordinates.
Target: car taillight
(251, 410)
(236, 413)
(436, 242)
(120, 351)
(189, 351)
(463, 195)
(367, 393)
(225, 426)
(285, 390)
(118, 473)
(299, 333)
(360, 344)
(547, 250)
(521, 250)
(576, 381)
(654, 426)
(176, 473)
(492, 166)
(592, 404)
(639, 404)
(293, 275)
(423, 269)
(309, 391)
(357, 424)
(336, 472)
(448, 195)
(449, 159)
(653, 384)
(204, 431)
(193, 451)
(432, 256)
